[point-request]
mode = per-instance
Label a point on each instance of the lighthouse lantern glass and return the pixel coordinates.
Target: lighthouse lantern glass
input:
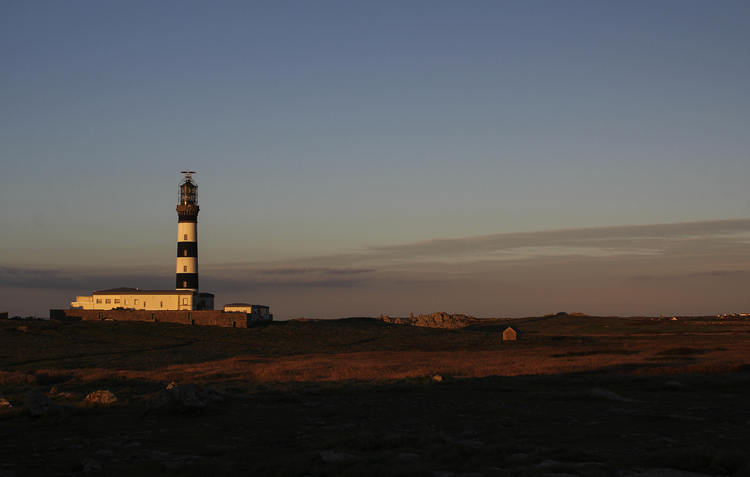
(188, 192)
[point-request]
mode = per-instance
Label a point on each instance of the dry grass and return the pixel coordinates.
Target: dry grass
(642, 357)
(365, 350)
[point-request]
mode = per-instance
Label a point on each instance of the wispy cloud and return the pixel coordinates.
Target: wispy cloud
(315, 270)
(691, 238)
(251, 281)
(78, 279)
(637, 239)
(743, 274)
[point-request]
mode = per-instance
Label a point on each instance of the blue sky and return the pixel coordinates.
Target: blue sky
(325, 129)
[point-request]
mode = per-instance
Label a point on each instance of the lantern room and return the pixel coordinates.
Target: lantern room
(188, 193)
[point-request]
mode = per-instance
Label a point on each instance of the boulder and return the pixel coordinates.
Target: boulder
(332, 456)
(91, 465)
(101, 397)
(407, 456)
(608, 395)
(674, 384)
(187, 397)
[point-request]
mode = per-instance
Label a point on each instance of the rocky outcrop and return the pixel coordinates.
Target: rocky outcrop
(433, 320)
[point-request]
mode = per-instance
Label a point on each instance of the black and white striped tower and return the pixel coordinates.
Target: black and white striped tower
(187, 234)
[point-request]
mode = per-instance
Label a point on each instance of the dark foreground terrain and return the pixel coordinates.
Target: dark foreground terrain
(575, 396)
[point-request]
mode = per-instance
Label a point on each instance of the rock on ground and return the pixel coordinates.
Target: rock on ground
(658, 472)
(91, 465)
(332, 456)
(600, 393)
(187, 397)
(101, 397)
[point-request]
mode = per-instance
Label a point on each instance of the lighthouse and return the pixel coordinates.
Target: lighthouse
(127, 303)
(187, 233)
(186, 296)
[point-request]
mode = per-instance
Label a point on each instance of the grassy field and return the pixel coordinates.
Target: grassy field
(348, 348)
(575, 395)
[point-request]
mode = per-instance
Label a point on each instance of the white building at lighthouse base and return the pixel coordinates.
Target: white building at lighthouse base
(137, 299)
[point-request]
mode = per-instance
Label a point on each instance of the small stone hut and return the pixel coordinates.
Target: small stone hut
(510, 334)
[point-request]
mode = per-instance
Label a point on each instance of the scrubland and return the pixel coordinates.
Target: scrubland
(575, 395)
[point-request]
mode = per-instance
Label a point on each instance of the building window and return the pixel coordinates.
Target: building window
(184, 268)
(107, 300)
(184, 253)
(184, 284)
(135, 302)
(98, 300)
(117, 301)
(184, 301)
(184, 237)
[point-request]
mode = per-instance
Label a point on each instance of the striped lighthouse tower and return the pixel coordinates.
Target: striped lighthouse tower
(187, 234)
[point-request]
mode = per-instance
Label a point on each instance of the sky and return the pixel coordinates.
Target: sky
(362, 158)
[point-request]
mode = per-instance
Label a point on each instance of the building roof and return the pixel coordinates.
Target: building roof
(138, 291)
(245, 304)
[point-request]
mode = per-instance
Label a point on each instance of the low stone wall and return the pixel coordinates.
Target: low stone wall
(200, 318)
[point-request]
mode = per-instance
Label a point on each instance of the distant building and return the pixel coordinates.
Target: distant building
(136, 299)
(510, 334)
(254, 312)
